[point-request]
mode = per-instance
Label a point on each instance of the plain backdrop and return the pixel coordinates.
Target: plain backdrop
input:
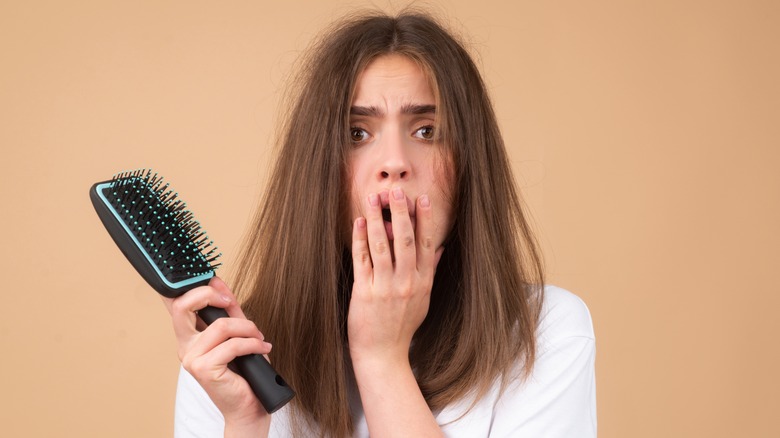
(644, 136)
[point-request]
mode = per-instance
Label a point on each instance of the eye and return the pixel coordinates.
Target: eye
(425, 133)
(357, 135)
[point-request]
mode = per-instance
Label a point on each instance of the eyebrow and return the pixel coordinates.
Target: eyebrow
(373, 111)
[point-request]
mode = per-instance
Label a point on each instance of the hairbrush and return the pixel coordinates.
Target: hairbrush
(161, 238)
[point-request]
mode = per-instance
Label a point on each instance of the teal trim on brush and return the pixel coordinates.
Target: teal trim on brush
(176, 285)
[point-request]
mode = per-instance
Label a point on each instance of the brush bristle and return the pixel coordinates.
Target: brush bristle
(162, 225)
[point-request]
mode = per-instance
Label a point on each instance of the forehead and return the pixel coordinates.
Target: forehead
(391, 79)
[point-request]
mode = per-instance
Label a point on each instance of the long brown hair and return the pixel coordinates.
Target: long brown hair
(294, 276)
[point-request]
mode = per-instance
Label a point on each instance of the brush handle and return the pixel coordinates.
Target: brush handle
(266, 383)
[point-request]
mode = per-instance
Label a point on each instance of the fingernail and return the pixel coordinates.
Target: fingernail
(267, 345)
(424, 201)
(398, 193)
(360, 222)
(225, 298)
(373, 199)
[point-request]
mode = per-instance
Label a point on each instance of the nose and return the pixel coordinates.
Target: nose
(394, 164)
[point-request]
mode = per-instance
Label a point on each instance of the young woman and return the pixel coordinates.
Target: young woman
(391, 265)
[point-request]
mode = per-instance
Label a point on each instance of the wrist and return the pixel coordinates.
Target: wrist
(379, 357)
(381, 366)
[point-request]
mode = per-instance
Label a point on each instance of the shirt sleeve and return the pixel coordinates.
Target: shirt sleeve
(559, 398)
(195, 415)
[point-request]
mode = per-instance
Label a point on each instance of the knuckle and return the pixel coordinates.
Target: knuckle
(406, 292)
(383, 295)
(362, 256)
(178, 307)
(381, 247)
(405, 289)
(221, 326)
(197, 366)
(186, 361)
(408, 242)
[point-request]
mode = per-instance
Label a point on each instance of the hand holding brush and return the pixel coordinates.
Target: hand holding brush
(167, 246)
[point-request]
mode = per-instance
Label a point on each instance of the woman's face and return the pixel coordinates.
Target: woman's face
(392, 129)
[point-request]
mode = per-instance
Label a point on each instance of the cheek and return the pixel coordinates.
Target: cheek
(444, 175)
(354, 195)
(444, 218)
(355, 205)
(357, 178)
(352, 208)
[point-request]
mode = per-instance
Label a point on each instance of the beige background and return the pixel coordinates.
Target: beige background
(644, 135)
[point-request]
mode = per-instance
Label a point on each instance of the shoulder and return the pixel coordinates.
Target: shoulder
(558, 398)
(564, 315)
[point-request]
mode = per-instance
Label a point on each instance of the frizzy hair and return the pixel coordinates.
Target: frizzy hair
(294, 272)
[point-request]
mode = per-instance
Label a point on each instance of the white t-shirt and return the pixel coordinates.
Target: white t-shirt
(557, 400)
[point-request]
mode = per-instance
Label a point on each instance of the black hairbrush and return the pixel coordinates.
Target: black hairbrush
(167, 246)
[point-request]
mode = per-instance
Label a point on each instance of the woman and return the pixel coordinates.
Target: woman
(391, 265)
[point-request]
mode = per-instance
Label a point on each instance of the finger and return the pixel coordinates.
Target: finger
(233, 309)
(184, 308)
(217, 359)
(403, 233)
(361, 256)
(378, 245)
(222, 330)
(426, 249)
